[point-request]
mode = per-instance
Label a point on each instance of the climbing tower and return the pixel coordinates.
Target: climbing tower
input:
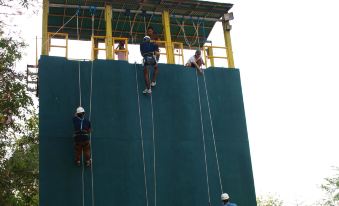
(185, 144)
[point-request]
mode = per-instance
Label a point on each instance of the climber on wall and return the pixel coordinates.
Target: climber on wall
(147, 50)
(225, 198)
(82, 129)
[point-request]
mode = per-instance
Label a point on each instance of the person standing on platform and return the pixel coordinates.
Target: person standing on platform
(82, 129)
(225, 198)
(154, 37)
(147, 50)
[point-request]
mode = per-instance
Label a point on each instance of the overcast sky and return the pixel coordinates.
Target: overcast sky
(287, 53)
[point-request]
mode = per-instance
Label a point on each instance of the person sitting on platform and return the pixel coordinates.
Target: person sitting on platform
(148, 50)
(225, 198)
(82, 129)
(154, 37)
(196, 61)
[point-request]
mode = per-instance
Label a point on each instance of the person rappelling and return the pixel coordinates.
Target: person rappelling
(82, 129)
(225, 199)
(148, 50)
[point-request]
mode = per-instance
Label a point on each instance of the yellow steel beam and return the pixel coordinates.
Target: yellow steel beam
(167, 35)
(109, 44)
(210, 55)
(45, 7)
(227, 35)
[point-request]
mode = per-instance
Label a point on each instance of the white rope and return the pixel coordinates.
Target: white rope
(215, 147)
(141, 134)
(80, 102)
(182, 27)
(212, 128)
(145, 25)
(44, 43)
(90, 114)
(82, 178)
(203, 139)
(154, 170)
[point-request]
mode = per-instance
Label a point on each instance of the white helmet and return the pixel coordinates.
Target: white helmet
(147, 38)
(225, 196)
(80, 110)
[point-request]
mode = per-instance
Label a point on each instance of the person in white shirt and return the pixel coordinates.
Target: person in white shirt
(196, 61)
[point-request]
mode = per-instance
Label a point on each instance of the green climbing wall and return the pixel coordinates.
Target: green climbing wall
(179, 176)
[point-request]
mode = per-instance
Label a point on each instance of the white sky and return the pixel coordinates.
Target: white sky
(286, 52)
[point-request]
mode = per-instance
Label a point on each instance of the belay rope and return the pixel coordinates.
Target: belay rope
(92, 10)
(212, 129)
(142, 144)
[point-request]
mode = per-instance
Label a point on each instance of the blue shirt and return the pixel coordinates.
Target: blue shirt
(148, 48)
(82, 128)
(229, 204)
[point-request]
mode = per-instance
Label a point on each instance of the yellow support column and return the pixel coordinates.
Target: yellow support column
(109, 44)
(167, 35)
(227, 35)
(211, 55)
(44, 47)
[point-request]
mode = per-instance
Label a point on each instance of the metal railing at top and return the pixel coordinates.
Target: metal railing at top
(122, 54)
(178, 48)
(50, 45)
(209, 54)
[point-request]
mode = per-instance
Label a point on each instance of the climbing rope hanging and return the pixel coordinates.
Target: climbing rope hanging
(142, 144)
(80, 104)
(141, 134)
(203, 139)
(92, 11)
(211, 124)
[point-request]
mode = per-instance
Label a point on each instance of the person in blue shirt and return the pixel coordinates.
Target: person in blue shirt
(148, 50)
(225, 198)
(82, 129)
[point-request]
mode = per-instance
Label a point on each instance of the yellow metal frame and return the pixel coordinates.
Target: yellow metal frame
(210, 54)
(95, 47)
(108, 40)
(227, 35)
(181, 49)
(167, 35)
(44, 46)
(49, 45)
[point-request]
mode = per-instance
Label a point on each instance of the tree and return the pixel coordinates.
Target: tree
(269, 201)
(18, 120)
(331, 189)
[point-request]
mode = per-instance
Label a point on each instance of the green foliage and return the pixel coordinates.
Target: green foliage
(269, 201)
(18, 124)
(331, 188)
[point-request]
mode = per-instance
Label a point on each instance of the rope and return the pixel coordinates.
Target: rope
(215, 147)
(80, 102)
(154, 170)
(76, 14)
(203, 139)
(145, 25)
(83, 179)
(90, 115)
(182, 27)
(141, 134)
